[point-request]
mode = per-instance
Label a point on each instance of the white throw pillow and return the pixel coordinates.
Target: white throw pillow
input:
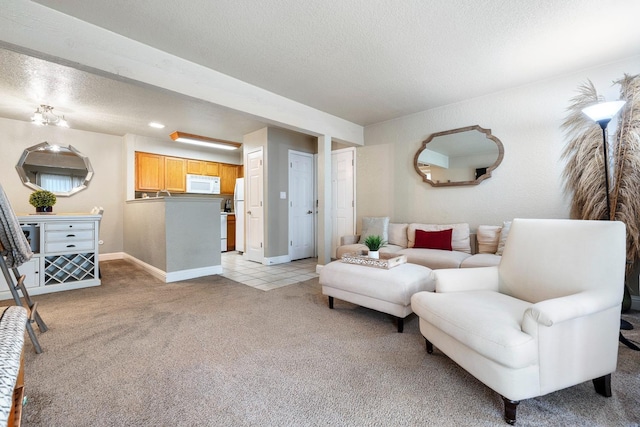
(488, 238)
(503, 236)
(374, 226)
(398, 234)
(460, 240)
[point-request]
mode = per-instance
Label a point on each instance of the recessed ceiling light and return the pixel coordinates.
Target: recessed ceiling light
(156, 125)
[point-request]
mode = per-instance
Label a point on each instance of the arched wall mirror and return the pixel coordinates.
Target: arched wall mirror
(63, 171)
(464, 156)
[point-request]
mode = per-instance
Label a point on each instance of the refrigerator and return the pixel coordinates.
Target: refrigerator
(238, 208)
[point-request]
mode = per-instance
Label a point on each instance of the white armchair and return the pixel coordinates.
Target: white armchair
(546, 318)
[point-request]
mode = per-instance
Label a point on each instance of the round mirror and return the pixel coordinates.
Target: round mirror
(464, 156)
(63, 171)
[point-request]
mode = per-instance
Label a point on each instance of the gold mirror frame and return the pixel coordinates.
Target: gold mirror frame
(418, 165)
(76, 164)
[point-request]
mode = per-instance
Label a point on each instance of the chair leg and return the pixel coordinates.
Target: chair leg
(330, 302)
(510, 407)
(603, 385)
(400, 325)
(429, 346)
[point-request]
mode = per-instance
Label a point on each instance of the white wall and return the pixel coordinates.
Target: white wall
(528, 183)
(106, 189)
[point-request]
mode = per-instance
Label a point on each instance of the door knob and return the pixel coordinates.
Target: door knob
(309, 212)
(248, 212)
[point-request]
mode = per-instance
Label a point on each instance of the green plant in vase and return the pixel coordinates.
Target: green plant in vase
(374, 243)
(43, 200)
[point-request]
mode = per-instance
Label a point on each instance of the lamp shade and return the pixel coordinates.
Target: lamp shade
(603, 110)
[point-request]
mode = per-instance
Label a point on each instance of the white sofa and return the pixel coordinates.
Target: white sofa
(546, 318)
(468, 250)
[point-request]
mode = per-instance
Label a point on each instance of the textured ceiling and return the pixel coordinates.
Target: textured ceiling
(101, 104)
(366, 61)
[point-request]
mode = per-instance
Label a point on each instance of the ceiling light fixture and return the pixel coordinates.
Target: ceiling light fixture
(44, 116)
(156, 125)
(204, 141)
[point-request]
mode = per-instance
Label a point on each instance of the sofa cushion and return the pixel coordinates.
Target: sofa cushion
(504, 233)
(481, 260)
(488, 237)
(398, 234)
(492, 328)
(434, 258)
(460, 240)
(375, 226)
(433, 239)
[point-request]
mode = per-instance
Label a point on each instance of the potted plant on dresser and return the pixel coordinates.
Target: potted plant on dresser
(374, 243)
(43, 201)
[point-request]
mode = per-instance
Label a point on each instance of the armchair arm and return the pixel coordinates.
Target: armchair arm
(349, 240)
(466, 279)
(558, 310)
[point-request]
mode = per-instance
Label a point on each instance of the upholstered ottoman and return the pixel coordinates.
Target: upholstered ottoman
(388, 291)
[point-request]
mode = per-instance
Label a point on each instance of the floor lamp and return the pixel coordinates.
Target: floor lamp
(602, 114)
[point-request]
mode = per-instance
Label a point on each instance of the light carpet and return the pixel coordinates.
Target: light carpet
(212, 352)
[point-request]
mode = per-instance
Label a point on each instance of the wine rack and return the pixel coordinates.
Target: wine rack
(69, 268)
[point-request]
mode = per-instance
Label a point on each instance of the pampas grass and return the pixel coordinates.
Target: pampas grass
(584, 170)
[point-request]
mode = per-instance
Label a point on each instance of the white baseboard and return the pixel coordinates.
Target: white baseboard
(192, 273)
(276, 260)
(111, 256)
(175, 276)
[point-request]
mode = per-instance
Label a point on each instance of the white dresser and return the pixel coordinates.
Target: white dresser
(65, 253)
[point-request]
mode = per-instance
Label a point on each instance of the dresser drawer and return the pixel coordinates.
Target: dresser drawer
(68, 236)
(70, 246)
(60, 226)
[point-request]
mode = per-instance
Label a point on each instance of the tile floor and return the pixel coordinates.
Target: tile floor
(267, 277)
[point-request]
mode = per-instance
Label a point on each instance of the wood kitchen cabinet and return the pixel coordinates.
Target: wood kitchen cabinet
(195, 167)
(228, 175)
(149, 172)
(175, 174)
(202, 167)
(155, 172)
(211, 169)
(231, 232)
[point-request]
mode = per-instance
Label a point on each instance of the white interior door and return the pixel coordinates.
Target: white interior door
(254, 206)
(343, 196)
(301, 205)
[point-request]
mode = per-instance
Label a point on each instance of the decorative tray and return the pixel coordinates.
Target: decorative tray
(385, 261)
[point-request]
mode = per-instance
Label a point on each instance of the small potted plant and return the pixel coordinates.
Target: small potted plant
(374, 243)
(43, 200)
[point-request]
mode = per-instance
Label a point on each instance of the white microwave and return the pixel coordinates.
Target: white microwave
(203, 184)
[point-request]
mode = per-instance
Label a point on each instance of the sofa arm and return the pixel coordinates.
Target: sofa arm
(466, 279)
(349, 240)
(561, 309)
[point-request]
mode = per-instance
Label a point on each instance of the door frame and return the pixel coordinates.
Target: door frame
(249, 253)
(355, 187)
(314, 192)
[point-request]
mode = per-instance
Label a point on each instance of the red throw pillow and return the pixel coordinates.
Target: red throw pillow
(434, 239)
